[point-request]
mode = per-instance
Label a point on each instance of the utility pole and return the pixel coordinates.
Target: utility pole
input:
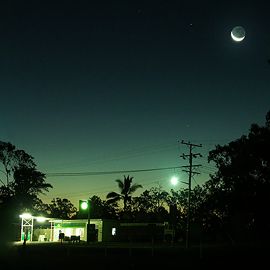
(190, 171)
(88, 221)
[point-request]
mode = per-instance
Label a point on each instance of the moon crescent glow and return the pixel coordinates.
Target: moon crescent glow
(237, 39)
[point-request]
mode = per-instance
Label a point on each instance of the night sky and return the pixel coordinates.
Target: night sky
(114, 85)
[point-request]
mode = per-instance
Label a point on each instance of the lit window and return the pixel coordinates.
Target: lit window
(68, 232)
(113, 231)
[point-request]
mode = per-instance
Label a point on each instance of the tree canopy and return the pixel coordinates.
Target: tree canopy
(22, 182)
(240, 189)
(101, 209)
(61, 208)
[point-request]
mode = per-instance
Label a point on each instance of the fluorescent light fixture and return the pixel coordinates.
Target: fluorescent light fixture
(26, 215)
(40, 219)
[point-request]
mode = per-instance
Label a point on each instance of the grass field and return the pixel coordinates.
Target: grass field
(133, 256)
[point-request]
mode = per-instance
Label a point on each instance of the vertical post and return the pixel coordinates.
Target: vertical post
(88, 202)
(189, 190)
(32, 229)
(22, 231)
(52, 231)
(88, 222)
(191, 173)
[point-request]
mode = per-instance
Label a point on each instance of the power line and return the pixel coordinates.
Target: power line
(132, 153)
(209, 168)
(54, 174)
(195, 181)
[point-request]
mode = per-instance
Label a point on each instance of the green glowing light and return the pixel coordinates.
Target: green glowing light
(84, 205)
(174, 180)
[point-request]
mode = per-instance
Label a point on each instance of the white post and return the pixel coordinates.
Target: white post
(22, 230)
(51, 236)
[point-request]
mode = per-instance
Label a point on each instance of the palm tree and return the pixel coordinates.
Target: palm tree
(126, 190)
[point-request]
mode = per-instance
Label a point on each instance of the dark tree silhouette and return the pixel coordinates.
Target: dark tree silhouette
(27, 185)
(150, 205)
(6, 158)
(62, 208)
(240, 189)
(23, 181)
(126, 190)
(102, 209)
(12, 159)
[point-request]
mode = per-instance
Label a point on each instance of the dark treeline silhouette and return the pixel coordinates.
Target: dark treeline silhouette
(21, 183)
(239, 192)
(230, 206)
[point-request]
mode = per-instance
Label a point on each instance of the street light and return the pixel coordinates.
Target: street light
(174, 181)
(83, 206)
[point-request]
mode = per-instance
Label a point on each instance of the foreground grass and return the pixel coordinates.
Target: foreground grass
(134, 256)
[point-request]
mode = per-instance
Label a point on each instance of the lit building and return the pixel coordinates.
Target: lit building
(49, 229)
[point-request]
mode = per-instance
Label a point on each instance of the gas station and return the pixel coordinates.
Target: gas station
(42, 229)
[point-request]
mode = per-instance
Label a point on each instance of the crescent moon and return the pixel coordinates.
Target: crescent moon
(237, 39)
